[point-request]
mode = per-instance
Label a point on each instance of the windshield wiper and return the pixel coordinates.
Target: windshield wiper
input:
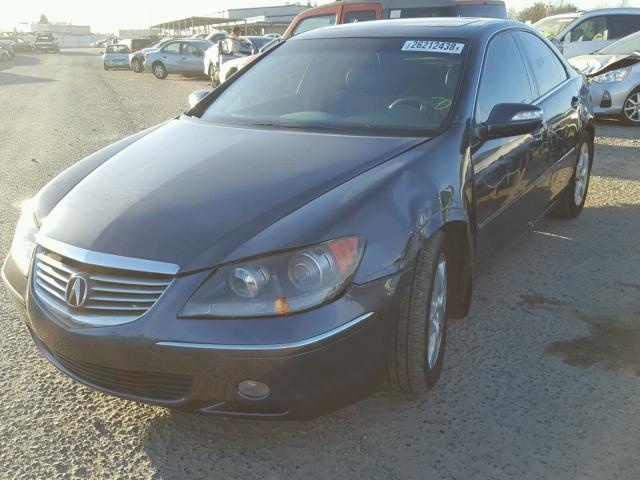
(324, 128)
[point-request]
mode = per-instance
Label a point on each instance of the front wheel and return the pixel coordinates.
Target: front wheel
(575, 194)
(631, 109)
(136, 65)
(159, 71)
(421, 329)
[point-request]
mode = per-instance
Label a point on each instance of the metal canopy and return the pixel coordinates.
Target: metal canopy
(191, 22)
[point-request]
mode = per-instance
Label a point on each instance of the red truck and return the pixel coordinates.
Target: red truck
(361, 11)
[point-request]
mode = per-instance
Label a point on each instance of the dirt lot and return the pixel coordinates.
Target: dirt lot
(542, 380)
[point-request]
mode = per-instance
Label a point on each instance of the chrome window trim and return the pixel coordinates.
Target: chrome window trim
(274, 346)
(106, 260)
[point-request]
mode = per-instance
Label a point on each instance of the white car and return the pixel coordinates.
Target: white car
(581, 33)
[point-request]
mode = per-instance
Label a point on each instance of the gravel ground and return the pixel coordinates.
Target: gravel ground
(541, 380)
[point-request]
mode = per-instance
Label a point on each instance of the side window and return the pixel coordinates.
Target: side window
(189, 49)
(311, 23)
(591, 30)
(622, 25)
(502, 82)
(359, 16)
(172, 48)
(547, 68)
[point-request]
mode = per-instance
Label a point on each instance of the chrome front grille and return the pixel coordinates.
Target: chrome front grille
(113, 296)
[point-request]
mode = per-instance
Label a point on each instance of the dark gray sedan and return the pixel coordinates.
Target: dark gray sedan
(310, 226)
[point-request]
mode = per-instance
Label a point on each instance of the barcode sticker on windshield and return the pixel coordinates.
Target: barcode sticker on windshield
(432, 46)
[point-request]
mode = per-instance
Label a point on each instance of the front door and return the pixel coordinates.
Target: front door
(506, 170)
(171, 56)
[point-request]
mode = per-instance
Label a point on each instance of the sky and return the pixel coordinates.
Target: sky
(106, 17)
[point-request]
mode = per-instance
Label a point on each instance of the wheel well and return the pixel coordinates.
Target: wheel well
(156, 63)
(461, 273)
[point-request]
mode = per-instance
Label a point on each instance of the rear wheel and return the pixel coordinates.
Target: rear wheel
(631, 109)
(575, 194)
(421, 330)
(105, 66)
(159, 71)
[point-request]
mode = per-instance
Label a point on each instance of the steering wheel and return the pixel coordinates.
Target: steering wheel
(433, 104)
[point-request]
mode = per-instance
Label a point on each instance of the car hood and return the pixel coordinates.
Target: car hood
(595, 64)
(190, 192)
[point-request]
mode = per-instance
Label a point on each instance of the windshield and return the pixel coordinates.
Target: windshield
(377, 86)
(625, 46)
(117, 49)
(551, 27)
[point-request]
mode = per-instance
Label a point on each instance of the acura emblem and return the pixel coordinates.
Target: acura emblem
(77, 291)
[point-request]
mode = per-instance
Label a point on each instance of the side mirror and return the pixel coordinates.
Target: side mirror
(196, 96)
(510, 119)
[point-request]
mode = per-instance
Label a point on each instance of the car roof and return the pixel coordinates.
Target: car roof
(445, 26)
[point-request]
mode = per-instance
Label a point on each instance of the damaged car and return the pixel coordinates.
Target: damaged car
(309, 227)
(614, 72)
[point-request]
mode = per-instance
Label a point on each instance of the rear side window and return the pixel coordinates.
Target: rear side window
(502, 82)
(360, 16)
(311, 23)
(622, 25)
(592, 30)
(547, 68)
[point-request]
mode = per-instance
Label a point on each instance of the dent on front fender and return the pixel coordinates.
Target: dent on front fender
(395, 206)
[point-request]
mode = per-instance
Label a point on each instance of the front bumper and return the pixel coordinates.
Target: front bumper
(313, 362)
(608, 98)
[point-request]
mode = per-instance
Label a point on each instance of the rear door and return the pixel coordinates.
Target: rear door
(506, 170)
(191, 58)
(558, 95)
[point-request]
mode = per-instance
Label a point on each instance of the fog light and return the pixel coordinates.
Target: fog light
(253, 390)
(605, 102)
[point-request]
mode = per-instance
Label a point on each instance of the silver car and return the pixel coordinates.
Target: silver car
(581, 33)
(116, 56)
(615, 79)
(178, 56)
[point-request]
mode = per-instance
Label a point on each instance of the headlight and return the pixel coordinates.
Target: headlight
(617, 75)
(24, 240)
(278, 284)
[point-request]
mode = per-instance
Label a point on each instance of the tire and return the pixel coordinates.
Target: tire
(631, 109)
(105, 66)
(136, 65)
(415, 365)
(571, 201)
(159, 70)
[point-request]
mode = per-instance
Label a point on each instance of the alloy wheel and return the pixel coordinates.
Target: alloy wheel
(582, 174)
(437, 312)
(632, 107)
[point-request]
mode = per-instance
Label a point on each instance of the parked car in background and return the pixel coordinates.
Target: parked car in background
(4, 54)
(116, 56)
(614, 72)
(45, 42)
(183, 56)
(18, 44)
(581, 33)
(219, 54)
(199, 35)
(309, 228)
(9, 49)
(350, 12)
(136, 59)
(136, 44)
